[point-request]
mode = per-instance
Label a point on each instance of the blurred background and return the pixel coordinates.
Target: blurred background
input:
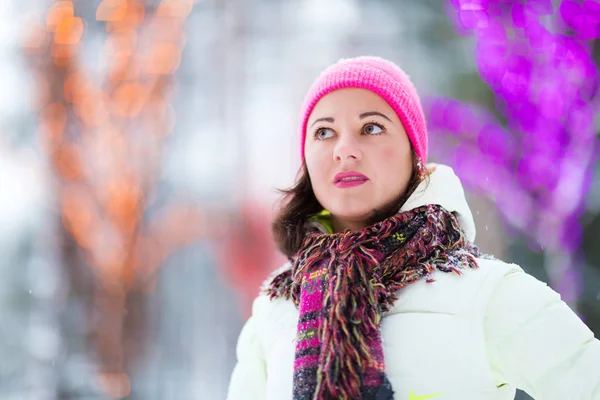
(142, 143)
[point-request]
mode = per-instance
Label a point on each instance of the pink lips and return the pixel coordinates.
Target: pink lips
(349, 179)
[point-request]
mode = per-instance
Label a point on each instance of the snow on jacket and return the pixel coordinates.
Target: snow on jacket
(478, 336)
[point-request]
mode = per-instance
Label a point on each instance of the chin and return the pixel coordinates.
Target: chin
(352, 212)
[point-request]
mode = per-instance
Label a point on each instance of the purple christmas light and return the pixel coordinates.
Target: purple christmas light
(538, 168)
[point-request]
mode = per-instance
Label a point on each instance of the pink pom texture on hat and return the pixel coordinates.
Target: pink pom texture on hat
(383, 78)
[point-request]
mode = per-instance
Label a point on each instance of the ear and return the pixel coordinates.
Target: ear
(430, 169)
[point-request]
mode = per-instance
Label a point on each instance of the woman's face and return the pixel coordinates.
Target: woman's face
(358, 156)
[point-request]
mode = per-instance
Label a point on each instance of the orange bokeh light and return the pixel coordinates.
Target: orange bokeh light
(59, 11)
(111, 10)
(78, 217)
(175, 8)
(68, 162)
(53, 121)
(129, 99)
(123, 196)
(163, 59)
(69, 31)
(131, 18)
(62, 53)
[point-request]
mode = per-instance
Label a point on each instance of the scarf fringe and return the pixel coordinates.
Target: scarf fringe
(360, 274)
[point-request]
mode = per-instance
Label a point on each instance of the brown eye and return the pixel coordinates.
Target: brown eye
(372, 129)
(323, 133)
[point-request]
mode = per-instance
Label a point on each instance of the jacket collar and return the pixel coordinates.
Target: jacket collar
(445, 189)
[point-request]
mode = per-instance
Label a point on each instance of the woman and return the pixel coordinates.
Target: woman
(385, 295)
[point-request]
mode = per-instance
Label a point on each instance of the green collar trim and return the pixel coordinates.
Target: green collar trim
(323, 218)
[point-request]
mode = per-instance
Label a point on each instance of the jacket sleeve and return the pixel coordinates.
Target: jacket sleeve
(538, 344)
(249, 377)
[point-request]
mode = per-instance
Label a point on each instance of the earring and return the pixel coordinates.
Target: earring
(421, 170)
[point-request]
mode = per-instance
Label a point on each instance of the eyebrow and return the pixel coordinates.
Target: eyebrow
(326, 119)
(371, 113)
(361, 116)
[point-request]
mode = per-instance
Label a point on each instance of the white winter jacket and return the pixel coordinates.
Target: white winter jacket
(478, 336)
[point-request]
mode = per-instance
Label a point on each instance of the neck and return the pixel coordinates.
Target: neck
(341, 225)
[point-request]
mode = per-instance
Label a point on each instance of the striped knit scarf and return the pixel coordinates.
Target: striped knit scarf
(342, 283)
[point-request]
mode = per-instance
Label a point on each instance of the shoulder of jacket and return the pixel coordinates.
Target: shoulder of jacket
(494, 268)
(264, 308)
(491, 273)
(471, 290)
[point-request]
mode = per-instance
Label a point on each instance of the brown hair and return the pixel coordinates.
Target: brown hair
(299, 204)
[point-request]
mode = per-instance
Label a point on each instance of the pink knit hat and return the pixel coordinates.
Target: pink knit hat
(383, 78)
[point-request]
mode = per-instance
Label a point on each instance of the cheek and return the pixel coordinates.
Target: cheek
(390, 159)
(316, 166)
(389, 153)
(398, 152)
(317, 162)
(394, 162)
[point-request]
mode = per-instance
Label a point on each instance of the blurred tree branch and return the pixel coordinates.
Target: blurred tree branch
(104, 137)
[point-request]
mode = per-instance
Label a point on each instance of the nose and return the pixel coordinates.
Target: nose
(347, 148)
